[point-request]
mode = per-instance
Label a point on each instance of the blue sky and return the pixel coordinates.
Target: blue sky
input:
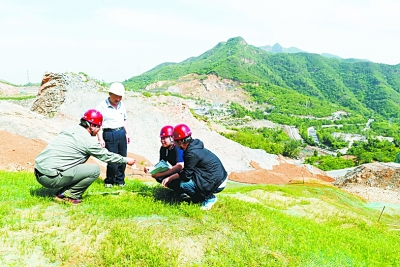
(115, 40)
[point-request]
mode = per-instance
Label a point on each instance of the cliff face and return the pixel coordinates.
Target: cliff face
(210, 88)
(55, 88)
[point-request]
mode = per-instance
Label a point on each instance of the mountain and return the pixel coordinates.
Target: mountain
(288, 81)
(330, 55)
(277, 48)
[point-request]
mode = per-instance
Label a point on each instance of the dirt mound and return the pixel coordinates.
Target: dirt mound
(377, 174)
(18, 153)
(282, 173)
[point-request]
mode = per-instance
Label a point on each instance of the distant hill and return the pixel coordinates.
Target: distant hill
(292, 83)
(330, 55)
(277, 48)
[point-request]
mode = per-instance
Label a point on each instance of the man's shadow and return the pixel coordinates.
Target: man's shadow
(164, 195)
(43, 192)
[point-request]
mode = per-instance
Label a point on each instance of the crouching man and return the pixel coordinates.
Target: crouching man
(203, 174)
(60, 164)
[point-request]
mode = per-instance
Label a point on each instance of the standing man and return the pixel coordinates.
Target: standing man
(115, 134)
(172, 154)
(203, 174)
(60, 164)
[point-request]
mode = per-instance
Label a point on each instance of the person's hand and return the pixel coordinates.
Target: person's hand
(165, 182)
(157, 175)
(102, 143)
(130, 161)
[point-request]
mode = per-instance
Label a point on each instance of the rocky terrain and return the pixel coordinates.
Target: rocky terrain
(27, 126)
(377, 178)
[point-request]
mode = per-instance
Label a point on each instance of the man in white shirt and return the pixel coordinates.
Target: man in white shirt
(115, 134)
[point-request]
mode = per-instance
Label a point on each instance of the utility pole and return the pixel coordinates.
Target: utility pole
(27, 73)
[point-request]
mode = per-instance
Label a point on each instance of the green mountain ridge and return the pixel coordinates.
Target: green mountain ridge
(361, 87)
(277, 48)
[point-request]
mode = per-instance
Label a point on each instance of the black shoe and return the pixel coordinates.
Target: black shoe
(182, 197)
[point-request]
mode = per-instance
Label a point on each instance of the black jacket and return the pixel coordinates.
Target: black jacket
(202, 167)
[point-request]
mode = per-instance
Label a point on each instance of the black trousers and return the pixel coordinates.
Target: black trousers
(115, 142)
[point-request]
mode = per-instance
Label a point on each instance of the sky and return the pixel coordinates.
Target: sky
(114, 40)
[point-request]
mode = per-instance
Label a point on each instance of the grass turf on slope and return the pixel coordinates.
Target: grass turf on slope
(142, 225)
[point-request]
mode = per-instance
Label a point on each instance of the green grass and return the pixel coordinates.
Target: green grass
(17, 97)
(141, 225)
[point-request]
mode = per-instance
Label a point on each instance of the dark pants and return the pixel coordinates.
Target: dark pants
(193, 191)
(115, 142)
(174, 185)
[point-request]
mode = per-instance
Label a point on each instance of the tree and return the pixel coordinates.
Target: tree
(292, 148)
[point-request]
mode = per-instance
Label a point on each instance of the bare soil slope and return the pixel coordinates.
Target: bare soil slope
(17, 153)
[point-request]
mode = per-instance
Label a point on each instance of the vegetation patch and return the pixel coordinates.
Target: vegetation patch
(17, 97)
(142, 225)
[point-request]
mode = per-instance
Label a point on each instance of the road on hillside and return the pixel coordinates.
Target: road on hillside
(293, 132)
(311, 131)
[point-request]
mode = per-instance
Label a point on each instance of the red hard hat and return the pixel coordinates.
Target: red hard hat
(93, 116)
(166, 131)
(181, 131)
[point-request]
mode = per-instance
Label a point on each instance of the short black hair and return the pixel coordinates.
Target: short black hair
(187, 140)
(84, 123)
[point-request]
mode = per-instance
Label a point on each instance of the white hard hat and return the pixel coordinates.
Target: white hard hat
(117, 89)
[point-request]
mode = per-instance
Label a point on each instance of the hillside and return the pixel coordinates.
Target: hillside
(29, 132)
(309, 224)
(146, 117)
(328, 84)
(273, 212)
